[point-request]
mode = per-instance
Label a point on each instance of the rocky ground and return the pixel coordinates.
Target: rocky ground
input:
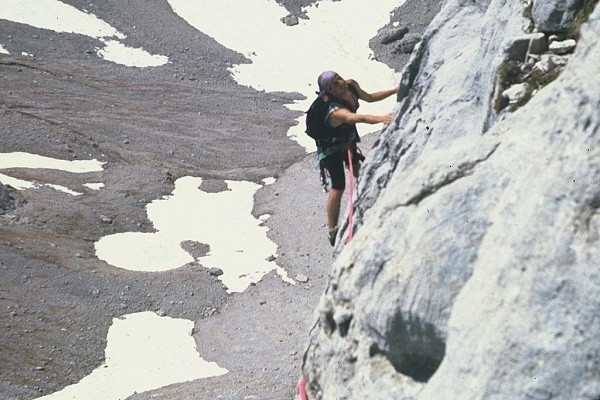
(151, 126)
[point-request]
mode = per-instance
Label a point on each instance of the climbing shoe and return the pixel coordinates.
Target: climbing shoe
(333, 234)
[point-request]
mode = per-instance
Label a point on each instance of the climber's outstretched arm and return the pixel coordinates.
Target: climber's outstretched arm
(344, 116)
(372, 97)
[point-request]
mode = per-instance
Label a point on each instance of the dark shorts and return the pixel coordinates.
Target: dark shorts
(334, 164)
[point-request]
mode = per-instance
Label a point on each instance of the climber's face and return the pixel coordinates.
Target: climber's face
(338, 86)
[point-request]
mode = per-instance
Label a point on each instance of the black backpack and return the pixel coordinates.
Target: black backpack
(316, 126)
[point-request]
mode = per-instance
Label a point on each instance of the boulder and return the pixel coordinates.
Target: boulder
(515, 92)
(7, 201)
(554, 15)
(407, 44)
(549, 62)
(473, 271)
(518, 48)
(562, 47)
(290, 20)
(391, 35)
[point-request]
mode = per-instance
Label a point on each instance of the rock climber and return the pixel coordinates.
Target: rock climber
(340, 99)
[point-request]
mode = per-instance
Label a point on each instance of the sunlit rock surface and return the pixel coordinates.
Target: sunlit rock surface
(473, 272)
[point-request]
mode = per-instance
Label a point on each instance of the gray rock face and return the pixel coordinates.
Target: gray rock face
(473, 272)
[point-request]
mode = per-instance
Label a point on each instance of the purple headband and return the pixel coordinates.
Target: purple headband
(325, 80)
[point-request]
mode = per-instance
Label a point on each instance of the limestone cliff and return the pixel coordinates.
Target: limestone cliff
(474, 268)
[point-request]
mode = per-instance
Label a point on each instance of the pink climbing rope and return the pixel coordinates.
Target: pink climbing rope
(351, 195)
(302, 389)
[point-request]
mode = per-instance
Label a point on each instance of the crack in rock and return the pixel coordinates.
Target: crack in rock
(463, 169)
